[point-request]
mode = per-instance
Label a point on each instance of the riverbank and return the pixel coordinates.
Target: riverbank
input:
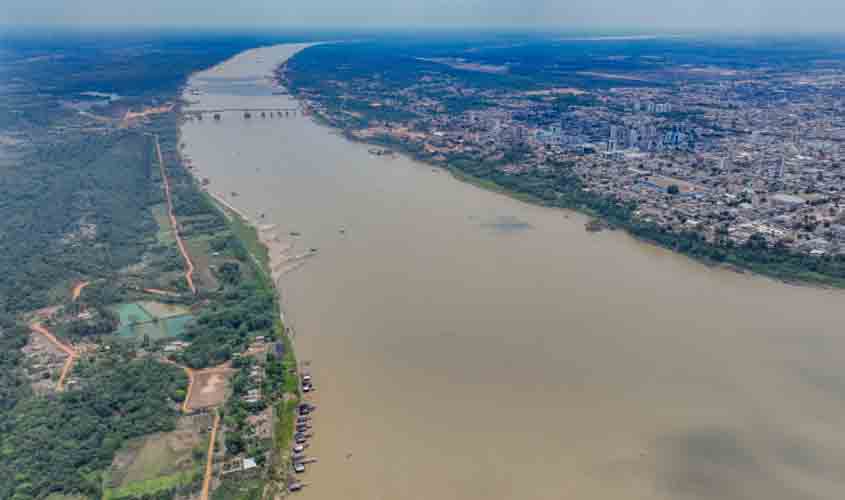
(772, 262)
(265, 254)
(555, 185)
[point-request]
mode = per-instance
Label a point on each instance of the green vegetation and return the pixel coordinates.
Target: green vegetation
(60, 444)
(74, 209)
(81, 199)
(248, 236)
(149, 487)
(284, 425)
(239, 489)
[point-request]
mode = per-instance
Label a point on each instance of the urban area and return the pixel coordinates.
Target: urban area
(730, 155)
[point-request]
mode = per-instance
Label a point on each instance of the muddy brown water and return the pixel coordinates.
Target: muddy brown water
(469, 346)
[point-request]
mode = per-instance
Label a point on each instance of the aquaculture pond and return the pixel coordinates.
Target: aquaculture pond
(154, 320)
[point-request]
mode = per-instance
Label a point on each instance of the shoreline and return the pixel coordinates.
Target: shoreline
(330, 447)
(821, 282)
(268, 253)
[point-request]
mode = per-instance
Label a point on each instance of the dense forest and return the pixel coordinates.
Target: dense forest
(73, 209)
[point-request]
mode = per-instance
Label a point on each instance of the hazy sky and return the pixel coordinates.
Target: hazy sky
(756, 15)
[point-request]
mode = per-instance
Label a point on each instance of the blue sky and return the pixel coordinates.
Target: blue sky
(661, 15)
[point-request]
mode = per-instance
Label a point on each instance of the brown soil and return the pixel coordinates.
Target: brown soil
(209, 388)
(71, 354)
(174, 223)
(77, 290)
(209, 463)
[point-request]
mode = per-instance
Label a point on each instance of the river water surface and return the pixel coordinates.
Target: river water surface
(469, 346)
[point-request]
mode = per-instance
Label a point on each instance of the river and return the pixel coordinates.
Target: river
(466, 345)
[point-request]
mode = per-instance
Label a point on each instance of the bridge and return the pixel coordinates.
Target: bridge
(246, 111)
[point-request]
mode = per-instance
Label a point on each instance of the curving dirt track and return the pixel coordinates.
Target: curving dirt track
(71, 354)
(174, 223)
(190, 373)
(77, 289)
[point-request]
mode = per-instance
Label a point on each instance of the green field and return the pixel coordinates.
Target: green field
(156, 463)
(149, 487)
(164, 234)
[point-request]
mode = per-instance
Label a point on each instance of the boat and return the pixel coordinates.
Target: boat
(298, 468)
(298, 448)
(295, 486)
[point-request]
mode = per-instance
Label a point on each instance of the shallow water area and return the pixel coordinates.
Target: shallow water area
(466, 345)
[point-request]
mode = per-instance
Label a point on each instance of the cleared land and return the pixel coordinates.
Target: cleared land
(45, 359)
(203, 260)
(156, 463)
(209, 388)
(71, 354)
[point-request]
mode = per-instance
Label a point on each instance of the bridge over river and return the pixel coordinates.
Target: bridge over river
(279, 111)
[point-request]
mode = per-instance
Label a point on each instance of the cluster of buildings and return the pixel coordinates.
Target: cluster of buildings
(726, 154)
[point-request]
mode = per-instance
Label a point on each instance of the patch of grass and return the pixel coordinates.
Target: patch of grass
(248, 235)
(60, 496)
(150, 486)
(153, 464)
(285, 413)
(164, 235)
(200, 252)
(239, 489)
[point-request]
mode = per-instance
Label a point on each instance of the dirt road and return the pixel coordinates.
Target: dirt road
(71, 353)
(77, 290)
(190, 372)
(209, 462)
(224, 369)
(189, 265)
